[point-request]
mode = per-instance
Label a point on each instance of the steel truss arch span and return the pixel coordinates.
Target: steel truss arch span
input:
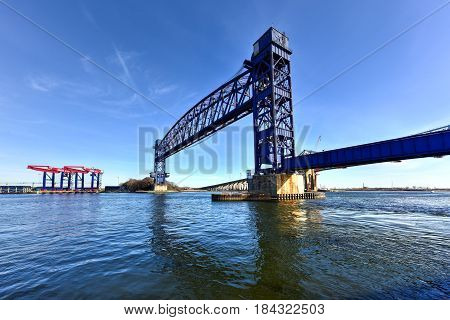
(225, 105)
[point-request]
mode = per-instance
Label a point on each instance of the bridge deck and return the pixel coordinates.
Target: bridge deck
(429, 144)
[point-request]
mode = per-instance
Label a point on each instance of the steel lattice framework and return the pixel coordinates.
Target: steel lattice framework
(225, 105)
(66, 174)
(264, 89)
(272, 102)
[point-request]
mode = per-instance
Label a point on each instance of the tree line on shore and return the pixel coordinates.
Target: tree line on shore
(146, 184)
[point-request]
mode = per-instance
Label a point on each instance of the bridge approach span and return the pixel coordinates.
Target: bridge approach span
(235, 185)
(434, 143)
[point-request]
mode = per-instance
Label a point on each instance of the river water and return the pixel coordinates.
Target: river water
(351, 245)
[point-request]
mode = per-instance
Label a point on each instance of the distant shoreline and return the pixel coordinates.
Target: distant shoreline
(202, 190)
(387, 189)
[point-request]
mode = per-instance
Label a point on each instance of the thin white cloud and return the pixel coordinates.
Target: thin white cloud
(191, 95)
(102, 99)
(67, 88)
(42, 83)
(86, 65)
(165, 89)
(128, 62)
(113, 110)
(123, 102)
(122, 59)
(88, 15)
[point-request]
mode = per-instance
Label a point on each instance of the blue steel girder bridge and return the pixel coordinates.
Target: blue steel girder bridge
(263, 89)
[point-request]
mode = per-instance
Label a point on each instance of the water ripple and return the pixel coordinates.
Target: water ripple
(376, 245)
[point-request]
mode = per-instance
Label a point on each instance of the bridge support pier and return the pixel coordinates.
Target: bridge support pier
(275, 187)
(310, 180)
(276, 184)
(160, 187)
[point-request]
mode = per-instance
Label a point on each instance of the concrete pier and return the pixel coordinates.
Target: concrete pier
(276, 184)
(310, 180)
(279, 187)
(240, 196)
(160, 187)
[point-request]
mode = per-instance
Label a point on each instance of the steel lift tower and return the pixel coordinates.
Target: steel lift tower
(159, 175)
(273, 124)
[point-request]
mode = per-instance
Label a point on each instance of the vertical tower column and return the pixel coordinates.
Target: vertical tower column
(95, 179)
(48, 180)
(272, 102)
(44, 181)
(159, 173)
(65, 176)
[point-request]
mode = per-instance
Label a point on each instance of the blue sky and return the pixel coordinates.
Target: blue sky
(58, 109)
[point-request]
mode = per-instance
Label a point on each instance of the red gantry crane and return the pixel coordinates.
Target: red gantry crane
(66, 174)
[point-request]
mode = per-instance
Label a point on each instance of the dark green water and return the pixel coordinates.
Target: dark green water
(183, 246)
